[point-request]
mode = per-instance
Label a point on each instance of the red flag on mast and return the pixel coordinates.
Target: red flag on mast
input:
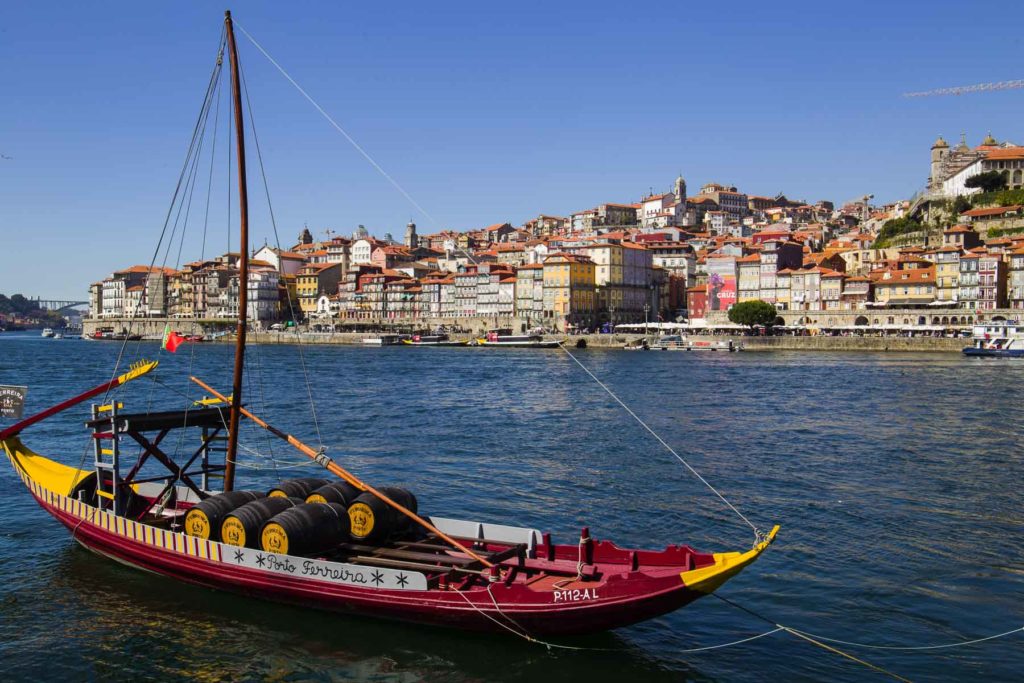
(172, 340)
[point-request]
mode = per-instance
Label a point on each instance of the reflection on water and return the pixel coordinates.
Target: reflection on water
(895, 478)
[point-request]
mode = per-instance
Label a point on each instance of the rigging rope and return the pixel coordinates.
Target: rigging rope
(203, 111)
(757, 532)
(337, 127)
(277, 240)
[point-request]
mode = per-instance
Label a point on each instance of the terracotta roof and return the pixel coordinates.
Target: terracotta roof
(992, 211)
(1007, 153)
(147, 269)
(313, 268)
(906, 277)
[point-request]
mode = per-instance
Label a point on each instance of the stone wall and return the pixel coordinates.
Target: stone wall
(823, 343)
(880, 316)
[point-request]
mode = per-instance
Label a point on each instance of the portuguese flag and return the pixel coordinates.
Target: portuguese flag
(172, 340)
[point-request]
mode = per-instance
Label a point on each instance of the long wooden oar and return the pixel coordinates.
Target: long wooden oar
(336, 469)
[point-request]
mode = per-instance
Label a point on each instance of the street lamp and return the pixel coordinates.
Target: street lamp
(647, 309)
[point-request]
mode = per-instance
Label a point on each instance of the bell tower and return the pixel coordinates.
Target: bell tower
(411, 239)
(680, 189)
(939, 151)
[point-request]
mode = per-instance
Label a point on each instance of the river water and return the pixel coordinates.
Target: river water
(896, 479)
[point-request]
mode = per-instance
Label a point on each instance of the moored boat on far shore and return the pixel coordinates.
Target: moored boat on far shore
(504, 337)
(1000, 339)
(433, 340)
(675, 342)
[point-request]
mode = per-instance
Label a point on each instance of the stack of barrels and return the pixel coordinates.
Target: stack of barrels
(301, 517)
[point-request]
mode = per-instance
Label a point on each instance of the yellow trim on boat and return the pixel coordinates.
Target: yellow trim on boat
(109, 407)
(708, 579)
(105, 494)
(211, 401)
(138, 370)
(51, 475)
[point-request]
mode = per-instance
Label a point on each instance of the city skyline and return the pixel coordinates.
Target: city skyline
(482, 119)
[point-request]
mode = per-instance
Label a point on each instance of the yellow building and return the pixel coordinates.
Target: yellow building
(905, 287)
(569, 298)
(784, 289)
(313, 280)
(748, 278)
(947, 273)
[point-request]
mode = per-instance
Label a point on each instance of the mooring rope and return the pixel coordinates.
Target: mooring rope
(911, 648)
(522, 633)
(757, 532)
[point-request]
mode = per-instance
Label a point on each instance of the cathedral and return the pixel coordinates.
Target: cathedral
(952, 166)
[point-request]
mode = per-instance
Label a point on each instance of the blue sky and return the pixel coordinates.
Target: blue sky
(483, 113)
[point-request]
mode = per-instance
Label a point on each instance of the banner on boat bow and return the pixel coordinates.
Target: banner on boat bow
(12, 401)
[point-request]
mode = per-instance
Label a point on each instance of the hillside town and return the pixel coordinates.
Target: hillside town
(950, 255)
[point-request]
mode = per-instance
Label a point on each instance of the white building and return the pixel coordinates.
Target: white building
(263, 303)
(285, 262)
(361, 251)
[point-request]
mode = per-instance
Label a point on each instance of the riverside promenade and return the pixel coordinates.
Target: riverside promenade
(617, 341)
(153, 329)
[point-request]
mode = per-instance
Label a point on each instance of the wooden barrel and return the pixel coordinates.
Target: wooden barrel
(340, 492)
(242, 526)
(296, 488)
(306, 529)
(406, 499)
(204, 520)
(374, 521)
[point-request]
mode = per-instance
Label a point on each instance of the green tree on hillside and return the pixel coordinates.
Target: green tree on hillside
(989, 181)
(751, 313)
(896, 227)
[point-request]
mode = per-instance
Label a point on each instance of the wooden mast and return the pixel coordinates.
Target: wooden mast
(243, 262)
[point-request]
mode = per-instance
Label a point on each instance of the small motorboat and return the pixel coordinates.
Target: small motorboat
(675, 342)
(47, 333)
(383, 340)
(999, 339)
(504, 337)
(637, 345)
(433, 340)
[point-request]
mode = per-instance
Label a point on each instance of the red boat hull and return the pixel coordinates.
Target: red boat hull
(626, 587)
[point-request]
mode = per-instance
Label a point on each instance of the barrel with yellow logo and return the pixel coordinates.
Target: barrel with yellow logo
(374, 521)
(306, 529)
(204, 520)
(242, 526)
(297, 488)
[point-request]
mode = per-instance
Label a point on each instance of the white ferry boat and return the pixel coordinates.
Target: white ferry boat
(675, 342)
(1000, 339)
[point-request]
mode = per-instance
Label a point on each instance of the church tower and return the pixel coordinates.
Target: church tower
(411, 240)
(939, 151)
(680, 189)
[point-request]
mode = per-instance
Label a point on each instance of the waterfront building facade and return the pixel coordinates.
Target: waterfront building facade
(569, 296)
